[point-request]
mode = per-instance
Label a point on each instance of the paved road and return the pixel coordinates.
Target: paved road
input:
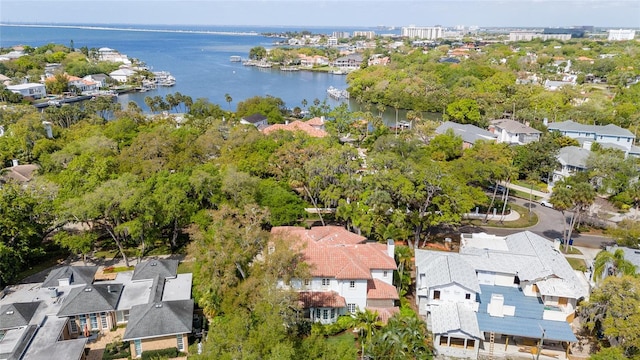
(550, 225)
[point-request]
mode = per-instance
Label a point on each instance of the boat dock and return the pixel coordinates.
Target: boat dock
(337, 94)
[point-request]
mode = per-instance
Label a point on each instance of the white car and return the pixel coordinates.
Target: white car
(545, 203)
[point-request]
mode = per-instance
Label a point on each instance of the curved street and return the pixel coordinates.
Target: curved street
(550, 225)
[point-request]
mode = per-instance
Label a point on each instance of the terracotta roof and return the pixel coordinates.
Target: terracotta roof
(332, 251)
(316, 121)
(384, 314)
(378, 289)
(316, 299)
(296, 126)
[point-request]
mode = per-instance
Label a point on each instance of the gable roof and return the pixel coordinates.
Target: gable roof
(77, 274)
(160, 319)
(449, 317)
(255, 118)
(165, 268)
(91, 299)
(571, 126)
(378, 289)
(469, 133)
(514, 127)
(296, 125)
(17, 314)
(332, 251)
(573, 156)
(320, 299)
(446, 268)
(21, 173)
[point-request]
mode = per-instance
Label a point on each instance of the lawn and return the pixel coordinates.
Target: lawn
(523, 222)
(185, 267)
(346, 337)
(577, 264)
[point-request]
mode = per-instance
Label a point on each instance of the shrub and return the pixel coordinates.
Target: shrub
(116, 350)
(160, 354)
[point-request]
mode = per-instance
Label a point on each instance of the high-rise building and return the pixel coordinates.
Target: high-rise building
(422, 32)
(366, 34)
(621, 34)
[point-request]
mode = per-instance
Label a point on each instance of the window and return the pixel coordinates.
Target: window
(138, 347)
(351, 308)
(325, 282)
(83, 322)
(385, 273)
(103, 319)
(94, 321)
(325, 314)
(333, 313)
(73, 326)
(317, 313)
(306, 282)
(436, 294)
(180, 341)
(352, 284)
(467, 296)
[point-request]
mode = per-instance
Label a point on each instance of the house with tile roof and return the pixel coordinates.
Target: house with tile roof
(513, 132)
(505, 289)
(297, 125)
(347, 272)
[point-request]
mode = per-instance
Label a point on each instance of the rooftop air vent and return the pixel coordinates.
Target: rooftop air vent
(10, 312)
(87, 290)
(154, 263)
(159, 305)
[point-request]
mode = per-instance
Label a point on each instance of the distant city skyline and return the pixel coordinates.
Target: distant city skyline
(348, 13)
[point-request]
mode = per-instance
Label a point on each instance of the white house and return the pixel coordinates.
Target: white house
(257, 120)
(572, 159)
(606, 135)
(513, 132)
(347, 272)
(621, 34)
(34, 90)
(498, 292)
(122, 75)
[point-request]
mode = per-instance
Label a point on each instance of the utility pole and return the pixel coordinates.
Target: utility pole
(540, 343)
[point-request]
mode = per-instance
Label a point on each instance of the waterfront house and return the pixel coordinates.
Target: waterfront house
(99, 79)
(107, 54)
(498, 294)
(469, 133)
(122, 75)
(351, 61)
(32, 90)
(347, 272)
(258, 120)
(513, 132)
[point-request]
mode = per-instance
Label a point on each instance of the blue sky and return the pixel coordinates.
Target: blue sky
(515, 13)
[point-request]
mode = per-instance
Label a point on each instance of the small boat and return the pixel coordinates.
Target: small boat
(339, 72)
(337, 94)
(289, 68)
(235, 58)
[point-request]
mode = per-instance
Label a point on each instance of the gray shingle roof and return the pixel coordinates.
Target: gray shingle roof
(514, 127)
(152, 268)
(451, 317)
(469, 133)
(573, 156)
(78, 274)
(17, 314)
(255, 118)
(444, 268)
(91, 299)
(631, 255)
(160, 319)
(572, 126)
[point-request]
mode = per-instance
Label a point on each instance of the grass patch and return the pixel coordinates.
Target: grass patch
(523, 195)
(523, 222)
(117, 269)
(542, 187)
(185, 267)
(41, 266)
(345, 337)
(159, 250)
(577, 264)
(571, 251)
(105, 254)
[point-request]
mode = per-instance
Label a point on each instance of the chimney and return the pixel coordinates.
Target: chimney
(391, 248)
(14, 162)
(322, 119)
(108, 288)
(556, 244)
(545, 121)
(496, 305)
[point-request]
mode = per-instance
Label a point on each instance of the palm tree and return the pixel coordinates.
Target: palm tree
(366, 322)
(615, 263)
(304, 104)
(228, 99)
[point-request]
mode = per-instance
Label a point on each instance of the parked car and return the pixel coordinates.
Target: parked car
(545, 203)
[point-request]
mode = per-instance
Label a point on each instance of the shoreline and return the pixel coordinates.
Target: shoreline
(107, 28)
